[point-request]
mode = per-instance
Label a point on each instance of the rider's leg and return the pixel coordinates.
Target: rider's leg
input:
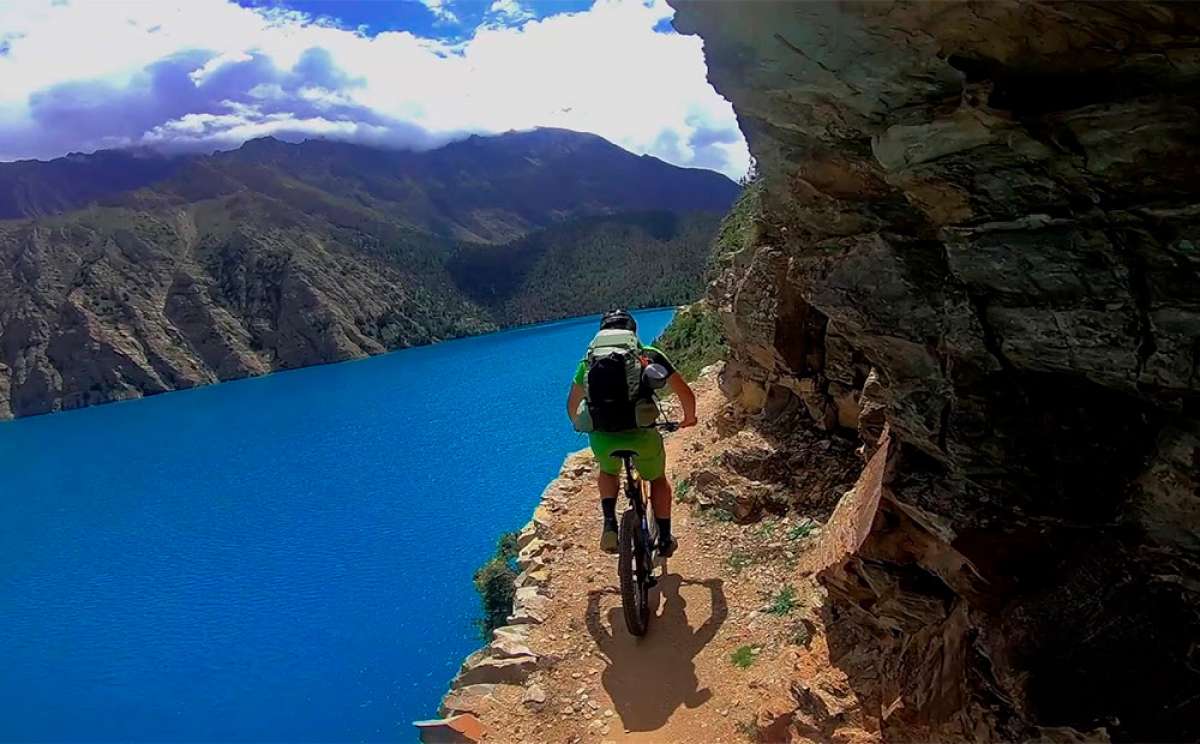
(608, 485)
(608, 481)
(660, 497)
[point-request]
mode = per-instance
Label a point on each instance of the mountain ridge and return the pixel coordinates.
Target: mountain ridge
(39, 188)
(276, 256)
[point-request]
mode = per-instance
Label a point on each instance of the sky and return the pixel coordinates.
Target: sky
(199, 75)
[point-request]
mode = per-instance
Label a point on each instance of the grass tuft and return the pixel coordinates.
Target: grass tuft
(802, 530)
(744, 656)
(739, 560)
(717, 514)
(747, 728)
(784, 602)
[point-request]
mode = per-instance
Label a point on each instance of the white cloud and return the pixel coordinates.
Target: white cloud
(441, 10)
(87, 75)
(510, 11)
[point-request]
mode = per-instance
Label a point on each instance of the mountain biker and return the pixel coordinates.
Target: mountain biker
(647, 442)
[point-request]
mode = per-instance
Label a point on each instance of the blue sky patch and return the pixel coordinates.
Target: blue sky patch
(434, 19)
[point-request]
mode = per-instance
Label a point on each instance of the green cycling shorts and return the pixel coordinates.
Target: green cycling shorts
(651, 461)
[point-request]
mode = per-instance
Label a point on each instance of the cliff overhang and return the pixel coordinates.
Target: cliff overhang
(979, 226)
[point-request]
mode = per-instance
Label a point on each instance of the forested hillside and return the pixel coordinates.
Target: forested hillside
(589, 265)
(277, 256)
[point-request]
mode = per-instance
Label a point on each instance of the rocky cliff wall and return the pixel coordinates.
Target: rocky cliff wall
(979, 224)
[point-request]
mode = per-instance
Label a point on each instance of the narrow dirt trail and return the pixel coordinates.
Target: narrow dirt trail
(678, 683)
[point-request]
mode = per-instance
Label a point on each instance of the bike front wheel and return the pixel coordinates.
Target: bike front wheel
(634, 574)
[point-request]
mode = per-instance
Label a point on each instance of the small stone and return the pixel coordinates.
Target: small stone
(576, 675)
(608, 713)
(534, 695)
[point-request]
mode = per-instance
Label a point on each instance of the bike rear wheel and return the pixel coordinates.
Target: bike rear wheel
(634, 574)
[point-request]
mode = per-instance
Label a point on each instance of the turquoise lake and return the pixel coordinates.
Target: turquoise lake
(285, 558)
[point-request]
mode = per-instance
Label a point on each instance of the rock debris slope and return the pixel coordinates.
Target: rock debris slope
(979, 227)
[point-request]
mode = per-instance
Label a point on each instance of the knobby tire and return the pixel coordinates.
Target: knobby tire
(634, 592)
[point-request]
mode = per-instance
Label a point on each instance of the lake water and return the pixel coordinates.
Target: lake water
(281, 558)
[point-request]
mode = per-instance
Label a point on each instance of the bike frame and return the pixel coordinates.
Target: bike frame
(637, 498)
(638, 545)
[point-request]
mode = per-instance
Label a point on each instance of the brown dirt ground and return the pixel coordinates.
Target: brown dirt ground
(679, 682)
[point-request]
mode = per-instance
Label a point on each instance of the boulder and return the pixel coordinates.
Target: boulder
(773, 720)
(490, 670)
(460, 729)
(536, 575)
(533, 548)
(473, 699)
(529, 607)
(508, 647)
(535, 696)
(527, 535)
(515, 633)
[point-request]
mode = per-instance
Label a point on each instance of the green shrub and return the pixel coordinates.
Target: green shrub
(744, 656)
(766, 530)
(784, 602)
(495, 582)
(506, 546)
(738, 560)
(694, 339)
(747, 728)
(716, 514)
(682, 488)
(801, 531)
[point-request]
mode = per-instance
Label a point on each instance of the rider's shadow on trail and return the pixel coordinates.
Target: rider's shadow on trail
(650, 677)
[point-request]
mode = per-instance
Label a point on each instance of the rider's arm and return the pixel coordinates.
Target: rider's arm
(687, 398)
(577, 393)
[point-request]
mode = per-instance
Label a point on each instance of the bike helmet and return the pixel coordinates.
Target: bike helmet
(618, 319)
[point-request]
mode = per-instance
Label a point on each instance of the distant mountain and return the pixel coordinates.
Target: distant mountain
(33, 188)
(483, 189)
(128, 273)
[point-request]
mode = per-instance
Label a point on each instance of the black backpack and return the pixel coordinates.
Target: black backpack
(614, 380)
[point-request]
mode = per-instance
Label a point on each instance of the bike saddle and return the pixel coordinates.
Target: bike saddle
(622, 454)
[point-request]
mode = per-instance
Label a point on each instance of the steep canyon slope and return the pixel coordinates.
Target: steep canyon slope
(979, 227)
(125, 274)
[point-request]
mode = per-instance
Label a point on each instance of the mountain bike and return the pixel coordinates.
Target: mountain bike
(637, 541)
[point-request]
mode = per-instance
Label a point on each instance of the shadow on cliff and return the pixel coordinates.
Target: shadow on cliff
(648, 678)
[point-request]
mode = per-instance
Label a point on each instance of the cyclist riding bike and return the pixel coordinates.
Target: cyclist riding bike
(610, 400)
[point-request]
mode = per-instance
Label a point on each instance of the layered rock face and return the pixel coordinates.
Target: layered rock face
(100, 309)
(980, 226)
